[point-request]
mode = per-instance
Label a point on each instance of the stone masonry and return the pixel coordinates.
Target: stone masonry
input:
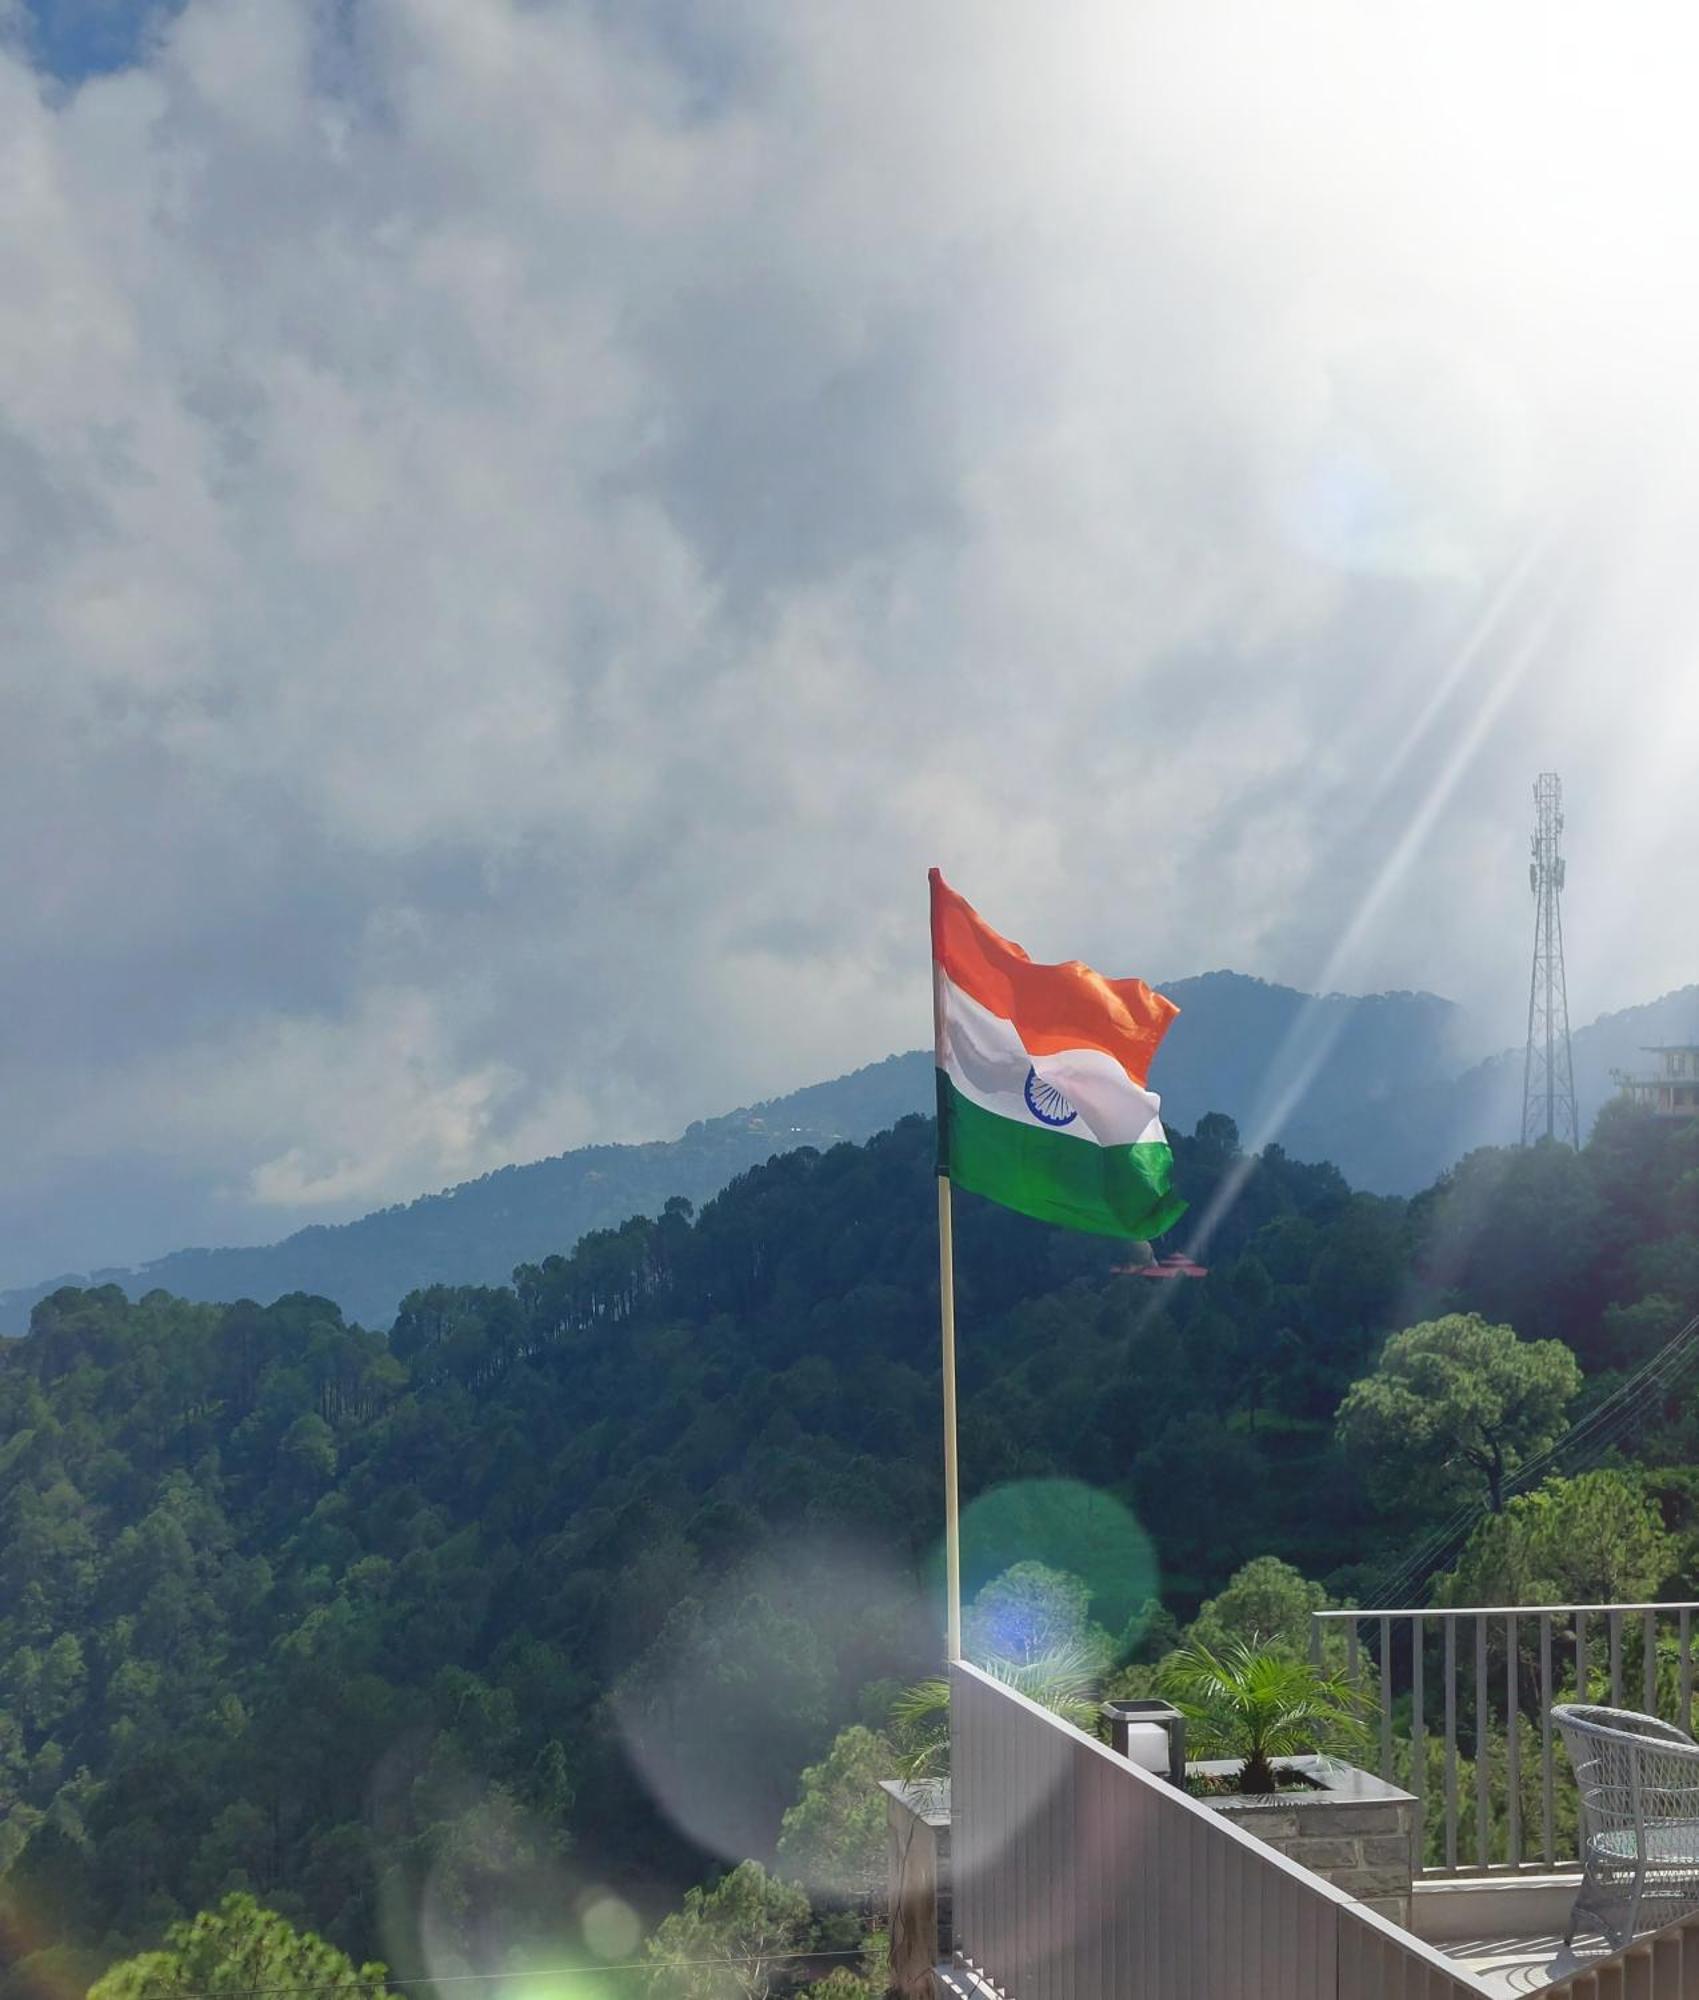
(1356, 1831)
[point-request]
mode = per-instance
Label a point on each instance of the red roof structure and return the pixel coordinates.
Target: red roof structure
(1175, 1265)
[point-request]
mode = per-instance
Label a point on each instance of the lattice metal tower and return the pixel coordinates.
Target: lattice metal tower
(1548, 1075)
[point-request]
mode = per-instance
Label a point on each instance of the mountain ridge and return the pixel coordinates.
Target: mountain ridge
(1381, 1083)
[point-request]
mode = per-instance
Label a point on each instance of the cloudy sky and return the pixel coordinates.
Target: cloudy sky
(526, 526)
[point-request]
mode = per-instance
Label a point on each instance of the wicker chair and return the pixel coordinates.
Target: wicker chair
(1639, 1833)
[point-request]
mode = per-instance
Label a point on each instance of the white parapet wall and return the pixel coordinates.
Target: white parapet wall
(1493, 1906)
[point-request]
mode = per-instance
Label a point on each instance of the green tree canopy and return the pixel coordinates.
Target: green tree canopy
(1032, 1610)
(1454, 1407)
(236, 1950)
(833, 1838)
(1267, 1604)
(362, 1626)
(730, 1942)
(1594, 1539)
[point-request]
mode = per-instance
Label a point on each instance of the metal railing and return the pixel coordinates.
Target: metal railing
(1078, 1876)
(1462, 1702)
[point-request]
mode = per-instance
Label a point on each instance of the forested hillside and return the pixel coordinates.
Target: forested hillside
(477, 1232)
(1382, 1097)
(431, 1635)
(1236, 1039)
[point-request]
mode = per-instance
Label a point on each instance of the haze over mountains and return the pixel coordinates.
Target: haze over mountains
(1379, 1085)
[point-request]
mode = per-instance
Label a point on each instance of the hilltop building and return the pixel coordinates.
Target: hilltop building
(1674, 1091)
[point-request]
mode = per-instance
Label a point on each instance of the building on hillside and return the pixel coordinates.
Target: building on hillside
(1175, 1265)
(1674, 1091)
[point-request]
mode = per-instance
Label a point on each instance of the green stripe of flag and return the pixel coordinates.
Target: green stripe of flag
(1109, 1190)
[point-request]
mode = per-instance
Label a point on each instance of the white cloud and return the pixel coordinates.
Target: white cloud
(520, 538)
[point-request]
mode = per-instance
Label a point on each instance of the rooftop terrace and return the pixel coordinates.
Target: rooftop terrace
(1076, 1875)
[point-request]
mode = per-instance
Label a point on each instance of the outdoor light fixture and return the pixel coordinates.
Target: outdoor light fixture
(1151, 1734)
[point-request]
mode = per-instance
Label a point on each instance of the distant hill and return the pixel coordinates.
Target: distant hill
(1386, 1098)
(477, 1232)
(1317, 1074)
(1424, 1131)
(1377, 1085)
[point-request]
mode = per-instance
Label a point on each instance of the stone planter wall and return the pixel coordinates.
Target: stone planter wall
(917, 1819)
(1358, 1833)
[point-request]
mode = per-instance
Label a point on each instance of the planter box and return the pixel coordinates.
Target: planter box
(1355, 1830)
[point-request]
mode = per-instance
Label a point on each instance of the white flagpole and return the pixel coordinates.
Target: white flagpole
(947, 1322)
(947, 1318)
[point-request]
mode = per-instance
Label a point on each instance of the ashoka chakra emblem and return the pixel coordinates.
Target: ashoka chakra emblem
(1046, 1102)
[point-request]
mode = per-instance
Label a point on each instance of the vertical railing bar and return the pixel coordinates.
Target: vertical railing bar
(1451, 1743)
(1029, 1977)
(992, 1835)
(1512, 1745)
(1315, 1640)
(1581, 1656)
(985, 1836)
(1386, 1699)
(1483, 1724)
(962, 1745)
(959, 1742)
(1351, 1666)
(967, 1811)
(1613, 1623)
(1018, 1845)
(1548, 1837)
(1041, 1982)
(993, 1769)
(1216, 1919)
(1649, 1665)
(1685, 1645)
(1070, 1863)
(987, 1827)
(1418, 1746)
(1075, 1983)
(1086, 1857)
(1164, 1967)
(1009, 1926)
(992, 1843)
(1106, 1889)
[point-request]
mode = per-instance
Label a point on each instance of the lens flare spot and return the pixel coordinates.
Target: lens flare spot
(722, 1713)
(555, 1986)
(612, 1928)
(1067, 1526)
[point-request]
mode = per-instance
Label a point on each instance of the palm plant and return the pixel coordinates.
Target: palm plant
(1063, 1680)
(1256, 1705)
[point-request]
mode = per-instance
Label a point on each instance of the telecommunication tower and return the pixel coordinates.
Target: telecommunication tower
(1548, 1074)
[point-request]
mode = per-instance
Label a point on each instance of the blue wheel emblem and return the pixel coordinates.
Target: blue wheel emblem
(1046, 1102)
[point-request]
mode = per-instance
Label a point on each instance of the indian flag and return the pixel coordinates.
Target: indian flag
(1042, 1100)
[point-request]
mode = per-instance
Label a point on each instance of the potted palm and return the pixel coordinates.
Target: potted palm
(1254, 1705)
(1277, 1725)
